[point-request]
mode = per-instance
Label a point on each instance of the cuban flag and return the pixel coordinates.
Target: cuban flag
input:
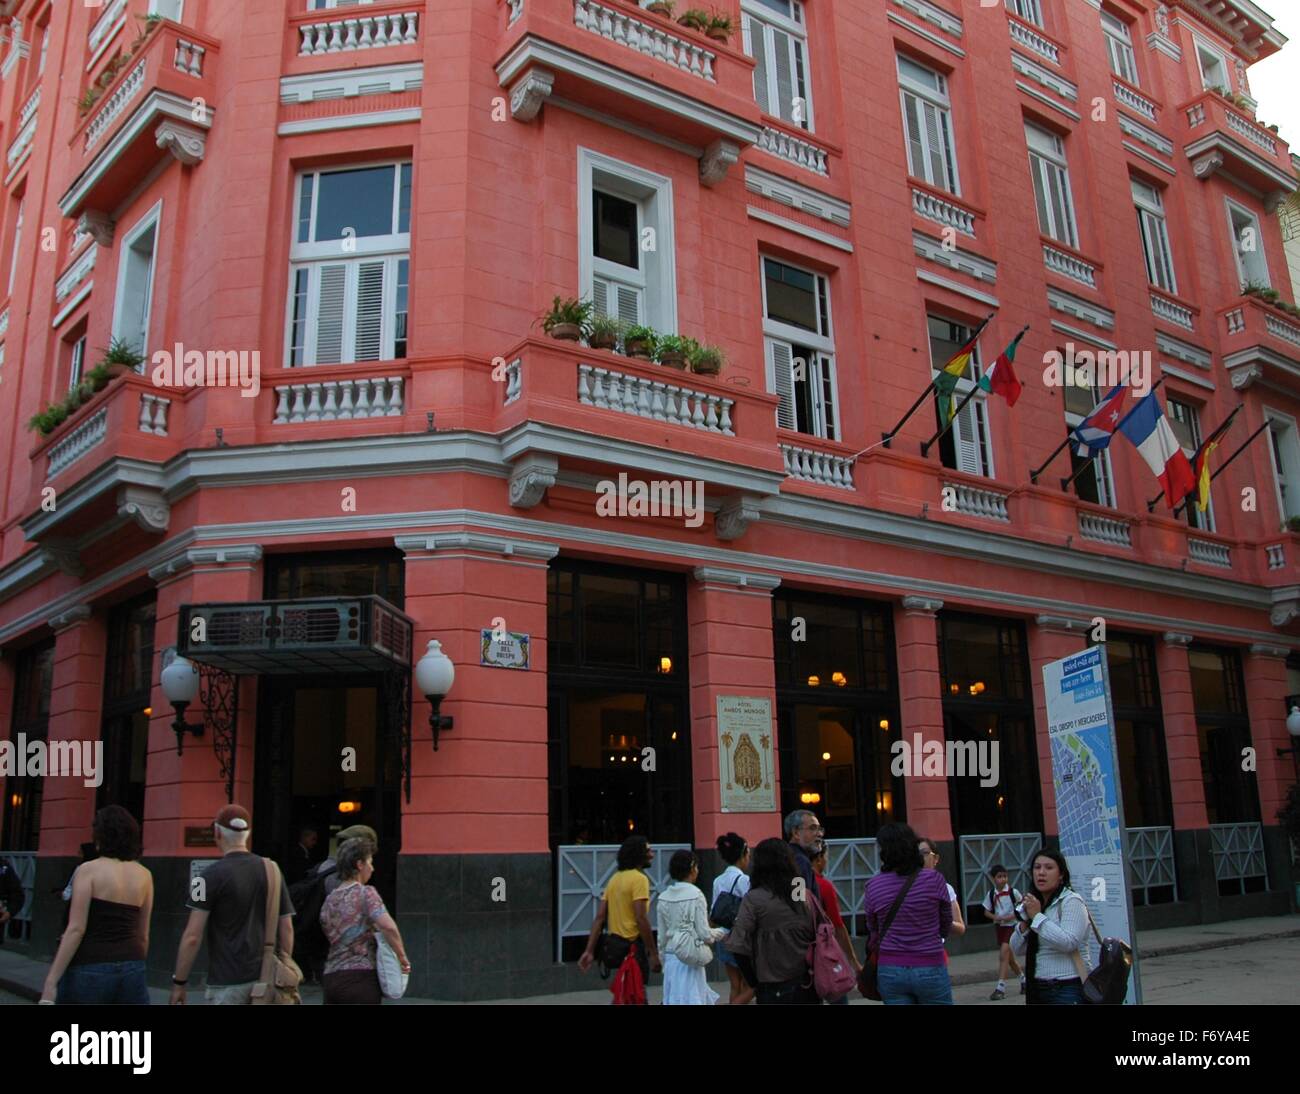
(1093, 434)
(1148, 428)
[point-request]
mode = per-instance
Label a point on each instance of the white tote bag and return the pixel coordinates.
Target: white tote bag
(392, 981)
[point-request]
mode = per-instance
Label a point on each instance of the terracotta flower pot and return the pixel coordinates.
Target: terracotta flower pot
(567, 332)
(638, 349)
(707, 368)
(673, 360)
(603, 341)
(660, 9)
(718, 34)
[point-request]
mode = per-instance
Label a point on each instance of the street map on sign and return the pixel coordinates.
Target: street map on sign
(1085, 801)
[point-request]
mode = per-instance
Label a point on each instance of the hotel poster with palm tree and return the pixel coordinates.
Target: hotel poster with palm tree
(745, 773)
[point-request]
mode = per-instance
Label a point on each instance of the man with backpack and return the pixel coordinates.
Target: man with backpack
(308, 897)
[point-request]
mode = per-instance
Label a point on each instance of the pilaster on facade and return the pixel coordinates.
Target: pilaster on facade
(73, 617)
(1175, 638)
(922, 605)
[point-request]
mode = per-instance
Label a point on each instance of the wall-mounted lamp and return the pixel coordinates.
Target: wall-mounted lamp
(434, 675)
(180, 683)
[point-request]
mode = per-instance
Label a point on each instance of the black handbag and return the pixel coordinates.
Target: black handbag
(1107, 984)
(727, 906)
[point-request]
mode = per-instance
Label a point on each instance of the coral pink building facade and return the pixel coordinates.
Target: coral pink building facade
(380, 200)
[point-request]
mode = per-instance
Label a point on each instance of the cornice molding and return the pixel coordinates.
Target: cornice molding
(738, 579)
(417, 547)
(72, 617)
(193, 558)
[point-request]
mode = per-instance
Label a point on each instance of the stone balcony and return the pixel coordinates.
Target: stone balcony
(616, 58)
(1220, 137)
(160, 103)
(1260, 342)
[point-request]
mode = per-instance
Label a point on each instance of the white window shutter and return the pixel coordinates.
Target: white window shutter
(600, 295)
(756, 47)
(629, 304)
(332, 281)
(370, 311)
(780, 366)
(966, 438)
(613, 298)
(826, 389)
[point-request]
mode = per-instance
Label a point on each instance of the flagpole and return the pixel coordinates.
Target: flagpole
(1033, 475)
(1065, 483)
(1224, 466)
(926, 445)
(1151, 505)
(886, 438)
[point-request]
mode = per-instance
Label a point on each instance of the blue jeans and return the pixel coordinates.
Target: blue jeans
(1058, 992)
(909, 984)
(107, 982)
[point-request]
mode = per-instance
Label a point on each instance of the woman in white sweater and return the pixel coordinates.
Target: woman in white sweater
(1053, 934)
(685, 935)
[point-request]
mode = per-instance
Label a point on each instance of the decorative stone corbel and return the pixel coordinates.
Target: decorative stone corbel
(1285, 613)
(1245, 375)
(1063, 624)
(1206, 166)
(717, 159)
(530, 478)
(99, 226)
(1174, 638)
(70, 618)
(63, 555)
(735, 516)
(1274, 200)
(530, 92)
(926, 605)
(184, 142)
(146, 506)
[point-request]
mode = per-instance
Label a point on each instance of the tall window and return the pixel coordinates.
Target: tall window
(1051, 174)
(135, 283)
(1185, 421)
(168, 9)
(927, 121)
(774, 34)
(1029, 10)
(1139, 734)
(1214, 68)
(1285, 450)
(17, 244)
(1096, 482)
(626, 263)
(1119, 47)
(128, 677)
(33, 685)
(800, 348)
(1155, 236)
(966, 446)
(350, 266)
(76, 361)
(1248, 247)
(1223, 728)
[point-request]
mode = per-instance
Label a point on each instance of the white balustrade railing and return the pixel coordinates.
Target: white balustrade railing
(22, 142)
(943, 212)
(4, 322)
(343, 34)
(1031, 40)
(1280, 328)
(1118, 533)
(189, 57)
(644, 37)
(127, 90)
(153, 414)
(1236, 320)
(1067, 264)
(976, 502)
(1140, 104)
(1163, 308)
(29, 108)
(1209, 552)
(609, 389)
(1276, 556)
(75, 274)
(1196, 115)
(77, 443)
(114, 16)
(1251, 132)
(514, 382)
(823, 468)
(339, 400)
(797, 151)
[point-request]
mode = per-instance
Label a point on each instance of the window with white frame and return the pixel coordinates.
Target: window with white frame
(1095, 482)
(1029, 10)
(1248, 246)
(774, 34)
(76, 362)
(135, 278)
(168, 9)
(967, 445)
(17, 243)
(626, 256)
(1214, 67)
(349, 274)
(1284, 447)
(1051, 174)
(1185, 421)
(927, 123)
(1155, 236)
(1119, 47)
(799, 347)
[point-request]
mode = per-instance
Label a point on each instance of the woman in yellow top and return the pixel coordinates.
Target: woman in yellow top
(626, 905)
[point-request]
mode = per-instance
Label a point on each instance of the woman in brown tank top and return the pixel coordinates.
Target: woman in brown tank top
(101, 955)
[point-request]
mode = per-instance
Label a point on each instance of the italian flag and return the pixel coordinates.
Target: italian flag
(1001, 377)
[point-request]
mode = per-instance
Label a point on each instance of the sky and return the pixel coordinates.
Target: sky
(1275, 82)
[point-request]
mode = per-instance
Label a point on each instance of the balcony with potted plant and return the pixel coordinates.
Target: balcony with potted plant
(1260, 335)
(1221, 136)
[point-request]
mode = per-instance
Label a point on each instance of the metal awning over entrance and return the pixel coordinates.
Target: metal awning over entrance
(317, 635)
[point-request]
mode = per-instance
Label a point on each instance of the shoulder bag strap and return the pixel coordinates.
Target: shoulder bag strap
(272, 905)
(893, 911)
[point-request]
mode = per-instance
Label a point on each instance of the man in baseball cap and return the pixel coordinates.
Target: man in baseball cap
(228, 903)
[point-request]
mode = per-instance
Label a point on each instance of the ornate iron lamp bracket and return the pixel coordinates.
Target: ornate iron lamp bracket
(219, 695)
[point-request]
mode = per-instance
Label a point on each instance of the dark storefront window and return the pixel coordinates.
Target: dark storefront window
(1223, 727)
(986, 698)
(335, 573)
(617, 672)
(33, 683)
(837, 704)
(128, 674)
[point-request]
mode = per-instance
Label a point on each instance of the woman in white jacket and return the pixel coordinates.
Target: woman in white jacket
(685, 935)
(1054, 932)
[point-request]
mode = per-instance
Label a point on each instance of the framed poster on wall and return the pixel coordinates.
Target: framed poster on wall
(747, 781)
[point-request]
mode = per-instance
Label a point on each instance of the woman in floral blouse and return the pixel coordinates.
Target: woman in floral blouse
(350, 917)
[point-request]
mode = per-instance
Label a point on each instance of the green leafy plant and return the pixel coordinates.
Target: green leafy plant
(1254, 288)
(706, 360)
(88, 99)
(568, 312)
(695, 19)
(640, 341)
(98, 377)
(120, 352)
(673, 350)
(604, 331)
(721, 24)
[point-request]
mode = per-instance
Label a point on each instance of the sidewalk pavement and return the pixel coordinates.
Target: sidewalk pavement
(24, 976)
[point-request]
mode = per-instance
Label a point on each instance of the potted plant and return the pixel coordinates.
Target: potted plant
(98, 377)
(672, 350)
(640, 341)
(695, 19)
(706, 360)
(661, 7)
(720, 26)
(605, 331)
(568, 320)
(120, 357)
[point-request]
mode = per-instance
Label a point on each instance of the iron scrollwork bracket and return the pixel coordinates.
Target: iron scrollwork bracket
(397, 686)
(219, 695)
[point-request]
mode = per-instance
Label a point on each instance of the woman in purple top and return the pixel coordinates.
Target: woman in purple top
(911, 965)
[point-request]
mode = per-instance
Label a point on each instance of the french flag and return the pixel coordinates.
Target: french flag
(1093, 434)
(1148, 428)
